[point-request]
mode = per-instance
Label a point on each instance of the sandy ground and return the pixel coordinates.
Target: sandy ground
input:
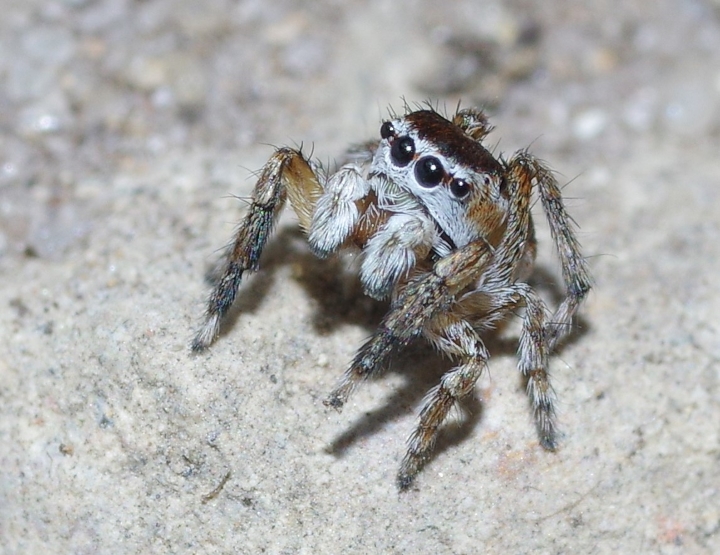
(127, 130)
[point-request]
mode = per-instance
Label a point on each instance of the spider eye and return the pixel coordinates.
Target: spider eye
(459, 187)
(429, 171)
(387, 130)
(402, 151)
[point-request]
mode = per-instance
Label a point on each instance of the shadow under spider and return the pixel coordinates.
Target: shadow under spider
(423, 368)
(336, 290)
(340, 300)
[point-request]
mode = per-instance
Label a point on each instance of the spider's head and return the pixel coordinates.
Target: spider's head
(440, 163)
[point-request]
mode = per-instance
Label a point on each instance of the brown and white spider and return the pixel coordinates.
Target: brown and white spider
(444, 229)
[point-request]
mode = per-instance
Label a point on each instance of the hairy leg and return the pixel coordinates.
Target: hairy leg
(533, 351)
(392, 251)
(456, 337)
(418, 302)
(338, 210)
(287, 173)
(574, 268)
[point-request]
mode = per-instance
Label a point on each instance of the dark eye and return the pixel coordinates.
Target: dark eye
(429, 171)
(459, 187)
(402, 151)
(387, 130)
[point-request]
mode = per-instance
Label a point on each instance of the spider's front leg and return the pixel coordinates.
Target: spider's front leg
(286, 174)
(328, 213)
(420, 300)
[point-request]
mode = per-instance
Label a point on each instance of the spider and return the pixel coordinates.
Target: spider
(444, 230)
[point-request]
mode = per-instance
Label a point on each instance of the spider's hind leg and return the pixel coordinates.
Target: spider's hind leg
(456, 337)
(287, 174)
(541, 335)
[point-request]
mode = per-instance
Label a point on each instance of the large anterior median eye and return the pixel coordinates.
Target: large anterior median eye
(429, 171)
(402, 151)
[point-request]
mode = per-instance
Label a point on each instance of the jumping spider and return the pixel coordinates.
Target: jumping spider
(445, 231)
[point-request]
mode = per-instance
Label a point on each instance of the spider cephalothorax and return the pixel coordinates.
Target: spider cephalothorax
(444, 229)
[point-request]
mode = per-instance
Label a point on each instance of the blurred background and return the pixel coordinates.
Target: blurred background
(91, 88)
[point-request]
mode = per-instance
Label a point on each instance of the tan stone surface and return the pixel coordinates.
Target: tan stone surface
(126, 131)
